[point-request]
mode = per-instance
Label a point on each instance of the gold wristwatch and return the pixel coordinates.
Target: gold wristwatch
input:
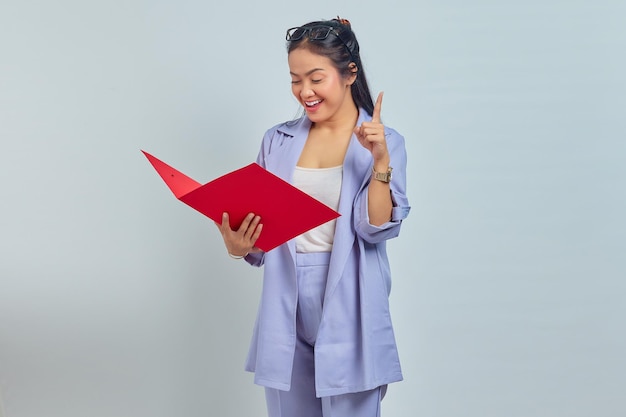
(382, 176)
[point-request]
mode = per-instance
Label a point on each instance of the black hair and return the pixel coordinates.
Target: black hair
(342, 48)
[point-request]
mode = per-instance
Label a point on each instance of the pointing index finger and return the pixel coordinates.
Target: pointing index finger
(377, 107)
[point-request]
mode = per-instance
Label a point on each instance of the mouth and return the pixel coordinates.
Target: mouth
(312, 104)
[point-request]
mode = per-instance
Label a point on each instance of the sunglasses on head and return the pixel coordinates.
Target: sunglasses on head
(315, 33)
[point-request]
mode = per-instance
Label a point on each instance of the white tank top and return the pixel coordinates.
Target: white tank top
(323, 184)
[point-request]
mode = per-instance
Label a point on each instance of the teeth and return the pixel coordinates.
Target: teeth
(312, 103)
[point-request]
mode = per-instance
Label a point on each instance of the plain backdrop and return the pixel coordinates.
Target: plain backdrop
(117, 300)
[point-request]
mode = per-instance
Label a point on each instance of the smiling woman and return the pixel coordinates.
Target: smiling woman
(336, 41)
(328, 348)
(508, 297)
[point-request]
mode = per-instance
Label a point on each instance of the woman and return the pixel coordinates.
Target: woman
(323, 343)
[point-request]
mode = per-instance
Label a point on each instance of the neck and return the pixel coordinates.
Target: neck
(346, 119)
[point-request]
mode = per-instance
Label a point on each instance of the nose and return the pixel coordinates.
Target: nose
(307, 92)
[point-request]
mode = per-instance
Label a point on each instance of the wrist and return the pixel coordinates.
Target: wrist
(382, 176)
(381, 165)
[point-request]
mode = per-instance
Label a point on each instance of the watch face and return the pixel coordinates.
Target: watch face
(383, 176)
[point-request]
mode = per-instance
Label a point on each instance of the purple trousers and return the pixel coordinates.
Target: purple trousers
(301, 401)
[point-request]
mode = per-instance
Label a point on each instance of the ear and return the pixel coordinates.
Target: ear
(353, 73)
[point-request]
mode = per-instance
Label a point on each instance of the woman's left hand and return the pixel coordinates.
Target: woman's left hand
(372, 136)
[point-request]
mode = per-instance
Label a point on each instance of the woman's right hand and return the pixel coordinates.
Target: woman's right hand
(241, 242)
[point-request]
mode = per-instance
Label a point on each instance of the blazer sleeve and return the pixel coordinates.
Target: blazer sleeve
(364, 229)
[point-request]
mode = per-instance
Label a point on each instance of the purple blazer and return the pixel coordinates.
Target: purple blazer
(355, 348)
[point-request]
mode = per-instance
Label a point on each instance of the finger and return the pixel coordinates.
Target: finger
(377, 108)
(225, 221)
(369, 126)
(361, 138)
(256, 234)
(245, 224)
(370, 135)
(252, 227)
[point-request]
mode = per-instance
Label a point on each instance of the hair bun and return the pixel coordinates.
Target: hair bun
(344, 22)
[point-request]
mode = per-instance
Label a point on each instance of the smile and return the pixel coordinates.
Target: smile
(312, 103)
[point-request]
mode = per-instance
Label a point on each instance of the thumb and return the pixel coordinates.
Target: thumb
(225, 220)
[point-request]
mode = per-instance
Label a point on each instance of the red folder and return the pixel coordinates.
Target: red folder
(285, 211)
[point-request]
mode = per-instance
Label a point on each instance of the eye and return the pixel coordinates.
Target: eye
(295, 82)
(317, 81)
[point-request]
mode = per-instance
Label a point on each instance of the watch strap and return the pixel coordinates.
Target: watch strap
(382, 176)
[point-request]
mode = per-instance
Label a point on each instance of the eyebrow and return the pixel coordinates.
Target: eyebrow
(308, 72)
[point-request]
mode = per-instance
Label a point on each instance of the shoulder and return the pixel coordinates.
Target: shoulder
(395, 141)
(391, 133)
(289, 128)
(284, 133)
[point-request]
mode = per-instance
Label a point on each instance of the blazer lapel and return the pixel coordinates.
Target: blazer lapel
(357, 163)
(282, 162)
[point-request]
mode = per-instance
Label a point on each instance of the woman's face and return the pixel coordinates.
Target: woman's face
(318, 86)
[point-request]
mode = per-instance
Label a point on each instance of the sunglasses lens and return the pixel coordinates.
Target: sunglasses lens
(295, 34)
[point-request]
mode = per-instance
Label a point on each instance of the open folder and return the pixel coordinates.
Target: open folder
(285, 211)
